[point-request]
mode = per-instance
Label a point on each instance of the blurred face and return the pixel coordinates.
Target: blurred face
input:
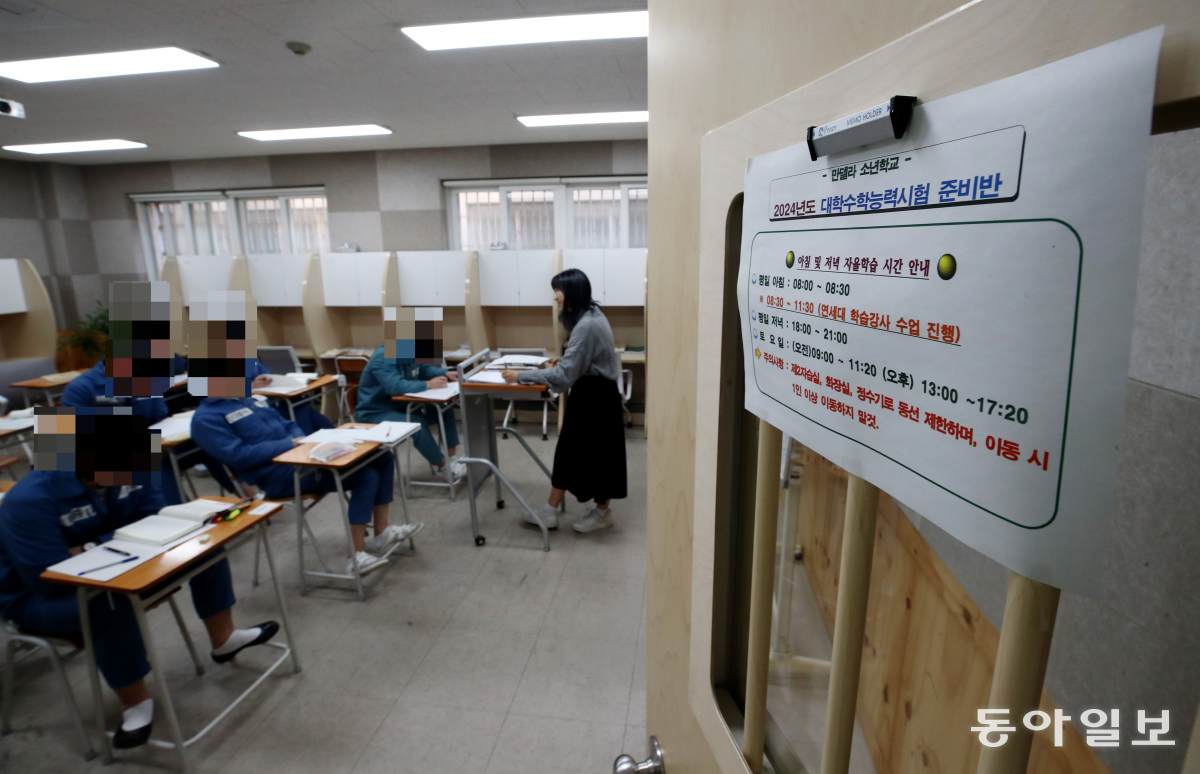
(102, 446)
(144, 326)
(222, 339)
(558, 299)
(412, 334)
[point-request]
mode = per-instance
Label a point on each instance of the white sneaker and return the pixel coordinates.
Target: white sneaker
(366, 563)
(385, 541)
(548, 515)
(458, 468)
(595, 519)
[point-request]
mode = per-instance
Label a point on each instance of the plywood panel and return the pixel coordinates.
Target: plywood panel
(30, 334)
(928, 650)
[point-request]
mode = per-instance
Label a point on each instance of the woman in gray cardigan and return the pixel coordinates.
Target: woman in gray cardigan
(589, 461)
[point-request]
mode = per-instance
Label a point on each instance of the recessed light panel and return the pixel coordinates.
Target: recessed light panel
(541, 29)
(71, 68)
(316, 132)
(75, 147)
(573, 119)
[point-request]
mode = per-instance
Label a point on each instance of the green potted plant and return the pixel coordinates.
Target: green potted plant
(82, 346)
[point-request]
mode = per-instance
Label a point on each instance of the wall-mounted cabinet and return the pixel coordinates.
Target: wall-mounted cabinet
(618, 276)
(434, 278)
(353, 279)
(199, 274)
(277, 280)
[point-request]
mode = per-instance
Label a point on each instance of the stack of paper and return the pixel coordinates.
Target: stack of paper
(487, 377)
(507, 361)
(16, 424)
(442, 393)
(306, 378)
(282, 385)
(59, 378)
(178, 427)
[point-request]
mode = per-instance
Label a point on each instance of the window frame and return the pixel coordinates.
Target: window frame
(232, 199)
(564, 232)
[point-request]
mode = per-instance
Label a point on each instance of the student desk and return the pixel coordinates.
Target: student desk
(307, 394)
(442, 407)
(50, 388)
(479, 437)
(341, 468)
(150, 583)
(14, 437)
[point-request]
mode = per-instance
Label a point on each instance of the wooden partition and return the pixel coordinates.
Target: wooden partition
(928, 651)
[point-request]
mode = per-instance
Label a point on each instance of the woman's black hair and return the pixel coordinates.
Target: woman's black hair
(577, 295)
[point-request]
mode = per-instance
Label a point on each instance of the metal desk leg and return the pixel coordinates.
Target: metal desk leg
(345, 504)
(299, 530)
(287, 624)
(446, 452)
(187, 637)
(175, 470)
(106, 750)
(160, 681)
(291, 411)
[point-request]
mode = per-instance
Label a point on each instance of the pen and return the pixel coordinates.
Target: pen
(116, 551)
(106, 566)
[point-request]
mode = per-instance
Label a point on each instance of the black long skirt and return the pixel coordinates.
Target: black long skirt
(589, 461)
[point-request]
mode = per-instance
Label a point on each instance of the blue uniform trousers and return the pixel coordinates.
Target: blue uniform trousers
(120, 653)
(424, 440)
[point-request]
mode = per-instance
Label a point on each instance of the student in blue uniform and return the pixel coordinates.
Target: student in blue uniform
(309, 419)
(51, 515)
(245, 435)
(87, 390)
(386, 377)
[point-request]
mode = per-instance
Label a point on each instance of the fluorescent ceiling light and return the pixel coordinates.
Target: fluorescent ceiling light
(571, 119)
(72, 68)
(360, 130)
(75, 147)
(541, 29)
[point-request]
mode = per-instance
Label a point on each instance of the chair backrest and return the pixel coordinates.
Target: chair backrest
(625, 384)
(280, 360)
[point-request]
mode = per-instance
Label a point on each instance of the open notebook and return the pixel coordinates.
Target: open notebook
(170, 523)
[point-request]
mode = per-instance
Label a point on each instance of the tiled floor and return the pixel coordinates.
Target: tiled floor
(462, 660)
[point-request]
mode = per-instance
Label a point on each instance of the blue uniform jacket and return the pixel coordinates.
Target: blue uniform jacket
(48, 512)
(243, 435)
(382, 380)
(87, 390)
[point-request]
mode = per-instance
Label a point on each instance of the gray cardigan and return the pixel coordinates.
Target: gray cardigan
(590, 351)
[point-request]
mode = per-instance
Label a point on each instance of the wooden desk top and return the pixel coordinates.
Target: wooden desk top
(176, 440)
(7, 485)
(299, 455)
(412, 399)
(148, 575)
(488, 386)
(42, 383)
(7, 433)
(319, 383)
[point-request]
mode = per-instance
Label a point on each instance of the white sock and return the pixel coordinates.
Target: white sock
(138, 716)
(239, 638)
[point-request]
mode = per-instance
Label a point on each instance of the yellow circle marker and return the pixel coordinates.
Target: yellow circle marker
(757, 353)
(947, 266)
(791, 259)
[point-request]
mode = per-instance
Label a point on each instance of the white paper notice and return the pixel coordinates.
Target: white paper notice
(949, 315)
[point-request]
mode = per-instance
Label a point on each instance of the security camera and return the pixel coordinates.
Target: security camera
(11, 109)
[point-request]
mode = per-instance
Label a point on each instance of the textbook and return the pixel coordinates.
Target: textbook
(171, 523)
(156, 530)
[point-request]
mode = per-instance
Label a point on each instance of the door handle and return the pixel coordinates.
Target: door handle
(625, 764)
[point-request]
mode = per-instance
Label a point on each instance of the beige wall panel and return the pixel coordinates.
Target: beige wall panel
(710, 63)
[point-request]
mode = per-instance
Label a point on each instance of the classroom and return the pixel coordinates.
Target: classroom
(360, 410)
